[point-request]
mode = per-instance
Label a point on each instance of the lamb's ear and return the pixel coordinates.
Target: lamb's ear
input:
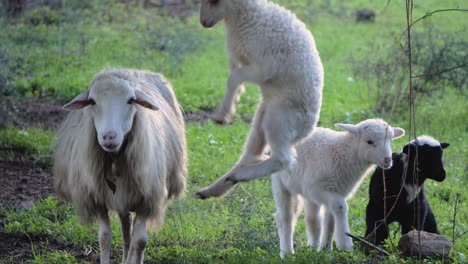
(409, 148)
(398, 132)
(78, 102)
(349, 127)
(444, 145)
(142, 99)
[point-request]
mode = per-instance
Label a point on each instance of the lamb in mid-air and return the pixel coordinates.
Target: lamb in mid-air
(122, 148)
(271, 47)
(330, 167)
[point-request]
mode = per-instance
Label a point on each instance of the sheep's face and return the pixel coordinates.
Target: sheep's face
(212, 11)
(112, 103)
(374, 137)
(429, 158)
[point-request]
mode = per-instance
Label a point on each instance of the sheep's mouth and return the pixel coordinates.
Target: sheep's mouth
(114, 148)
(385, 166)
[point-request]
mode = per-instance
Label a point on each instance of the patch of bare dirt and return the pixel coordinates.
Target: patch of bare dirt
(19, 247)
(31, 112)
(23, 181)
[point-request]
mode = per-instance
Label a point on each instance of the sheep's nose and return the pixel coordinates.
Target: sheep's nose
(203, 22)
(109, 137)
(387, 162)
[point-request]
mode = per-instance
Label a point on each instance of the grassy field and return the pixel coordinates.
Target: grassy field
(55, 51)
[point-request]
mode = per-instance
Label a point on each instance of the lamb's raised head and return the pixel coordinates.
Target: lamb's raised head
(374, 139)
(213, 11)
(113, 100)
(428, 152)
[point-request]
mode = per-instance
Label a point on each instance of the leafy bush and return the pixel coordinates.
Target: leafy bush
(433, 51)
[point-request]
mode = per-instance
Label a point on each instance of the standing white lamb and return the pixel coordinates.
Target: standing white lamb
(122, 148)
(271, 47)
(330, 166)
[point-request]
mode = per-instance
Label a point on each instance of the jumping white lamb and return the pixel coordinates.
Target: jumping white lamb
(330, 166)
(271, 47)
(122, 148)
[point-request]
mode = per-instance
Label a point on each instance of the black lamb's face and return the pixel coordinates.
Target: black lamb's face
(430, 163)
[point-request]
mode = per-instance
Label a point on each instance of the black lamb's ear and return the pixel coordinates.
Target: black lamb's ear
(409, 148)
(444, 145)
(405, 149)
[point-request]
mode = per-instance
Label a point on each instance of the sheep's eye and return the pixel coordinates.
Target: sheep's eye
(131, 101)
(91, 101)
(370, 142)
(213, 2)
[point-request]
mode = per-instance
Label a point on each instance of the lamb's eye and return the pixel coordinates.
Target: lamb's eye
(91, 101)
(213, 2)
(370, 142)
(131, 101)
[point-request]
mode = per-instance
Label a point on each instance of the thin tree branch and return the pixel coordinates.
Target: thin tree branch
(428, 14)
(440, 72)
(368, 244)
(462, 234)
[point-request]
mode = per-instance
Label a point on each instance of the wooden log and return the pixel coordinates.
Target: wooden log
(431, 246)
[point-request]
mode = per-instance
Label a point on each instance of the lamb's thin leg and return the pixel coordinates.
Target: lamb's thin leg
(327, 230)
(376, 228)
(138, 241)
(312, 219)
(126, 224)
(254, 150)
(227, 110)
(234, 88)
(283, 127)
(105, 235)
(337, 206)
(288, 208)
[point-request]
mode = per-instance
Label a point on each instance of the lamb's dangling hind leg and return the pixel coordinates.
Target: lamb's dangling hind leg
(283, 126)
(253, 152)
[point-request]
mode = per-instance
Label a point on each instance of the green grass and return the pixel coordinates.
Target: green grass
(61, 59)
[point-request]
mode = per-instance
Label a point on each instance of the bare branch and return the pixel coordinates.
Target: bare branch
(428, 14)
(440, 72)
(368, 244)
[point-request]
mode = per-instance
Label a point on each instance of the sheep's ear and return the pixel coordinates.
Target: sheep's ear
(409, 148)
(444, 145)
(142, 99)
(349, 127)
(398, 132)
(78, 102)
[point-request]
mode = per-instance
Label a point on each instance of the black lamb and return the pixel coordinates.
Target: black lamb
(410, 207)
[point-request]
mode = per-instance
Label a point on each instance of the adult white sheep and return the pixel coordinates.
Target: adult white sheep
(271, 47)
(122, 148)
(330, 167)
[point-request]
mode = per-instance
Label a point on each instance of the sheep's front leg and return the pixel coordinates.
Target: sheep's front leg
(138, 241)
(105, 235)
(235, 87)
(312, 219)
(327, 230)
(337, 206)
(126, 224)
(288, 209)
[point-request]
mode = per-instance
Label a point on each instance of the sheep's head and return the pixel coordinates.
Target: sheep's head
(428, 152)
(212, 11)
(112, 102)
(374, 137)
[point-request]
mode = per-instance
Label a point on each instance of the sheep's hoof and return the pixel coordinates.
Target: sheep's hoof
(220, 120)
(201, 196)
(231, 179)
